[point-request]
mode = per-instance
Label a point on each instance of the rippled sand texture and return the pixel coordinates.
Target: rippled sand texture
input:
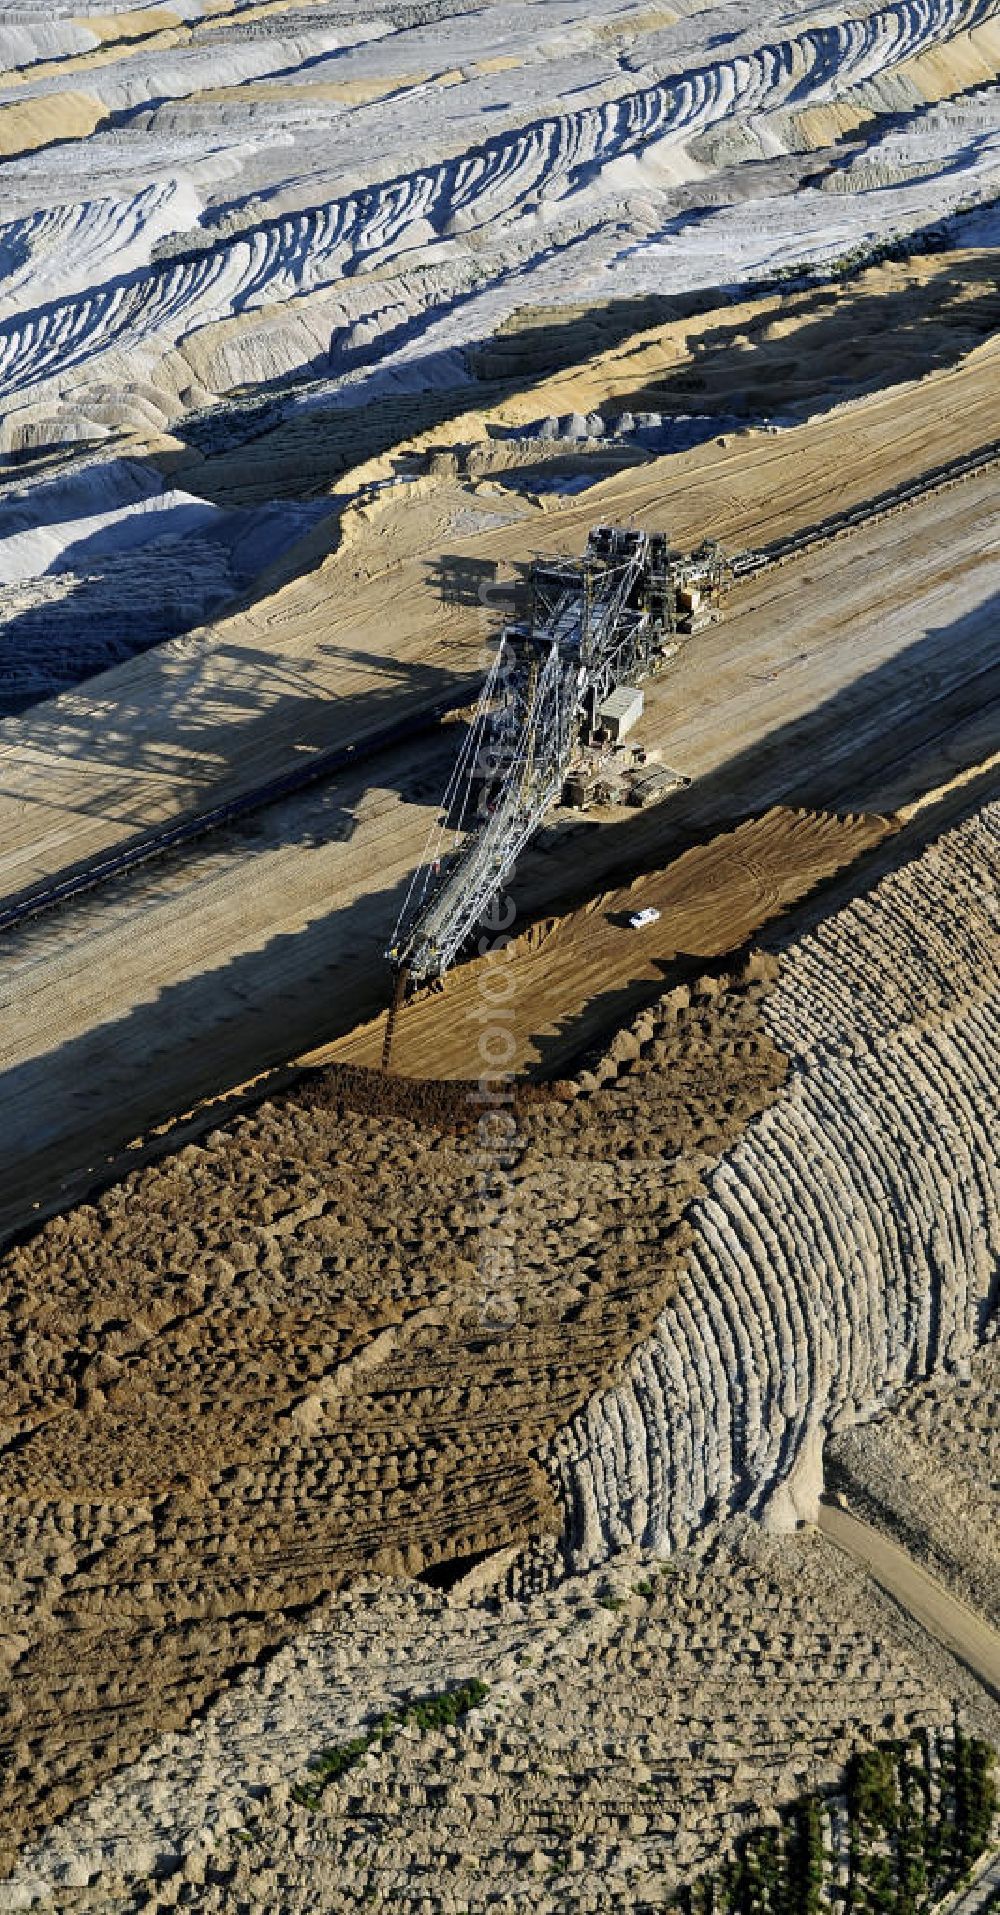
(310, 314)
(417, 218)
(849, 1245)
(214, 217)
(719, 1688)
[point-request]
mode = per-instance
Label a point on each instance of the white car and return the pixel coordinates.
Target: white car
(648, 915)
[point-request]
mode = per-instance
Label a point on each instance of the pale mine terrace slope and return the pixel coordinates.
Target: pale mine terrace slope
(420, 214)
(265, 239)
(752, 1671)
(226, 152)
(735, 1683)
(849, 1244)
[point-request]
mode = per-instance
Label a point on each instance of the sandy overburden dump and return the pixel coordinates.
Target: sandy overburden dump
(278, 1359)
(851, 1242)
(272, 1363)
(724, 1682)
(303, 310)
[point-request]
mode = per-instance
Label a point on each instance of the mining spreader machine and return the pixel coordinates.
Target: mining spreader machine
(594, 625)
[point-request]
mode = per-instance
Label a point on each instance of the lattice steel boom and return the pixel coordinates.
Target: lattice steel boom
(594, 623)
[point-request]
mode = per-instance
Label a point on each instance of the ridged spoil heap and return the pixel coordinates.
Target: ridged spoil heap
(296, 1352)
(849, 1244)
(635, 1724)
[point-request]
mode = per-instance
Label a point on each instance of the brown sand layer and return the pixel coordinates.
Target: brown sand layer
(854, 679)
(334, 1337)
(564, 981)
(766, 356)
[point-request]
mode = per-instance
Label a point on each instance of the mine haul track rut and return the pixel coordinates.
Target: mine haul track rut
(328, 765)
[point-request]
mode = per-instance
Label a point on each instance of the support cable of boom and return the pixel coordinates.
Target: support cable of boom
(425, 871)
(485, 856)
(587, 631)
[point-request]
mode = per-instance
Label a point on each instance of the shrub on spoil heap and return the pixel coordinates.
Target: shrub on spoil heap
(425, 1713)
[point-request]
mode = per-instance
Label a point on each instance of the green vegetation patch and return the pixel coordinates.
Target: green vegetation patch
(423, 1712)
(912, 1819)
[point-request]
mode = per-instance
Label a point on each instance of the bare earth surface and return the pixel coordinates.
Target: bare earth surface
(376, 1384)
(365, 636)
(570, 977)
(272, 940)
(321, 1389)
(296, 1351)
(929, 1473)
(963, 1632)
(732, 1677)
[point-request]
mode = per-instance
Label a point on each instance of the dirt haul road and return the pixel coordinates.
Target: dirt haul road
(933, 1606)
(854, 678)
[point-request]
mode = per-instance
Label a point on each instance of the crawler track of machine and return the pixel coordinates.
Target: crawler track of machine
(839, 525)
